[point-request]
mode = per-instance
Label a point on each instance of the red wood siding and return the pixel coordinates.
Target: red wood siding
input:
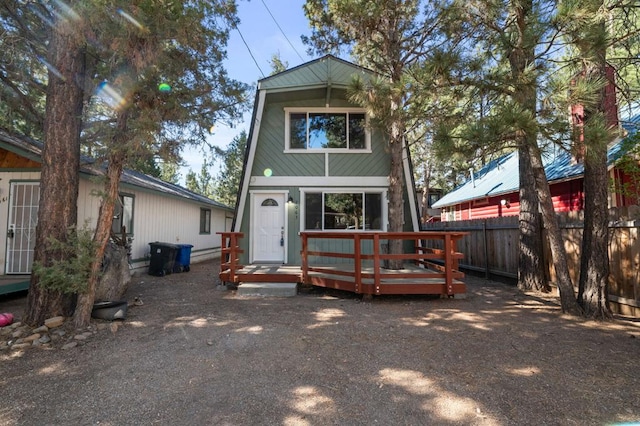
(567, 196)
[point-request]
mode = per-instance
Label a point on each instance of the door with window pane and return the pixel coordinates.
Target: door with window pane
(24, 198)
(268, 236)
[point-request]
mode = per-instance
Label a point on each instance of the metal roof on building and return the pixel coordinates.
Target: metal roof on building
(31, 148)
(501, 176)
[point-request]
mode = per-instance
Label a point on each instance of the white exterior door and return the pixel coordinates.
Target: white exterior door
(267, 232)
(24, 199)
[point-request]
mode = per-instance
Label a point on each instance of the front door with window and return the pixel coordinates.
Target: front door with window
(267, 232)
(24, 198)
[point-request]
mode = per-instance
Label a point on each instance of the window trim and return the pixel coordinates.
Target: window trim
(120, 202)
(287, 131)
(203, 230)
(377, 190)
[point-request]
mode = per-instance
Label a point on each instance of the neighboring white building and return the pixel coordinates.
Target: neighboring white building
(151, 209)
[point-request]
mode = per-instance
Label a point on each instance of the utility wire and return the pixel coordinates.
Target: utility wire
(248, 49)
(280, 28)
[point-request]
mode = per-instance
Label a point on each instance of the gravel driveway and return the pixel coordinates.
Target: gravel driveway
(196, 354)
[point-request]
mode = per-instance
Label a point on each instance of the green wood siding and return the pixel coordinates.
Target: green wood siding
(271, 144)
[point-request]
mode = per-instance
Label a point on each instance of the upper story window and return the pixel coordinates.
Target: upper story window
(326, 129)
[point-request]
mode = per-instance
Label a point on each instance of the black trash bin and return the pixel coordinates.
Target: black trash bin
(183, 258)
(163, 258)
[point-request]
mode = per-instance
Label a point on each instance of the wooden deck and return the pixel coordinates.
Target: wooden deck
(14, 283)
(425, 271)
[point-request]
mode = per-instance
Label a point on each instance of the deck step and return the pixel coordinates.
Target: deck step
(267, 289)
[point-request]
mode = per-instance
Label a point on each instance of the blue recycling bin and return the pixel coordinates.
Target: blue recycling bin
(183, 258)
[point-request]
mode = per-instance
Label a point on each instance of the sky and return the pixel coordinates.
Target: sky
(264, 36)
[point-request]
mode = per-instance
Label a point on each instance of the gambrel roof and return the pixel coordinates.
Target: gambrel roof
(326, 71)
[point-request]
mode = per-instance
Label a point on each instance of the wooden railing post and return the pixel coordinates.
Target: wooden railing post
(305, 260)
(376, 262)
(357, 263)
(448, 262)
(233, 244)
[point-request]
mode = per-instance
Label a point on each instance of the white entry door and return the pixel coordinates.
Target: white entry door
(24, 198)
(267, 232)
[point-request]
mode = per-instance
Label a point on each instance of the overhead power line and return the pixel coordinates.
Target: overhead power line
(280, 28)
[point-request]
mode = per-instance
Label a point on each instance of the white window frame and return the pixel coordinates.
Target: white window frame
(287, 131)
(383, 216)
(124, 211)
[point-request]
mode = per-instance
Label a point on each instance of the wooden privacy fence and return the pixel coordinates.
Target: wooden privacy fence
(491, 248)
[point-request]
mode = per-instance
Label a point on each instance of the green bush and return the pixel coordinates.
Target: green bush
(70, 263)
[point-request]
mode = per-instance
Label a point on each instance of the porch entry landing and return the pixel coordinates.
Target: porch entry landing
(358, 265)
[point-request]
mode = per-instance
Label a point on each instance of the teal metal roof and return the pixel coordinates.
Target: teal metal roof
(502, 175)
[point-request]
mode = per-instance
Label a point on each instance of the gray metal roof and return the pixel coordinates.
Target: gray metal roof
(502, 175)
(32, 149)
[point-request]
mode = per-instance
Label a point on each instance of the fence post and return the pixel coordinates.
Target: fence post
(486, 248)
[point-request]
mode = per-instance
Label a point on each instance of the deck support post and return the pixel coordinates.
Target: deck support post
(448, 261)
(376, 263)
(357, 251)
(305, 260)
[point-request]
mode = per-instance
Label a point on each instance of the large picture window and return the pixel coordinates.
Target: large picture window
(343, 210)
(341, 130)
(123, 215)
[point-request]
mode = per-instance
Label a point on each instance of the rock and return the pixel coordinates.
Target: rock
(17, 333)
(80, 337)
(32, 337)
(70, 345)
(41, 329)
(20, 345)
(54, 322)
(114, 327)
(45, 339)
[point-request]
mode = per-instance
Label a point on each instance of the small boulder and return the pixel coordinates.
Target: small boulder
(54, 322)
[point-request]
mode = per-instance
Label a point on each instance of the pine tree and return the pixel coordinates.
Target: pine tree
(389, 37)
(227, 183)
(154, 83)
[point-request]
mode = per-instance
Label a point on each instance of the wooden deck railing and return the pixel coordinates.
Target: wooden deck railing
(440, 264)
(230, 262)
(359, 267)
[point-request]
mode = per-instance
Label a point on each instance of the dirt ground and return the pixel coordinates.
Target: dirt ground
(196, 354)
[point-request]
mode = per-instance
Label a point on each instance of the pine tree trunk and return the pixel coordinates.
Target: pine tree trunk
(59, 179)
(82, 316)
(530, 269)
(531, 274)
(396, 200)
(565, 285)
(593, 289)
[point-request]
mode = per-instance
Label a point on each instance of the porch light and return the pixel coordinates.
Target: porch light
(290, 200)
(505, 203)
